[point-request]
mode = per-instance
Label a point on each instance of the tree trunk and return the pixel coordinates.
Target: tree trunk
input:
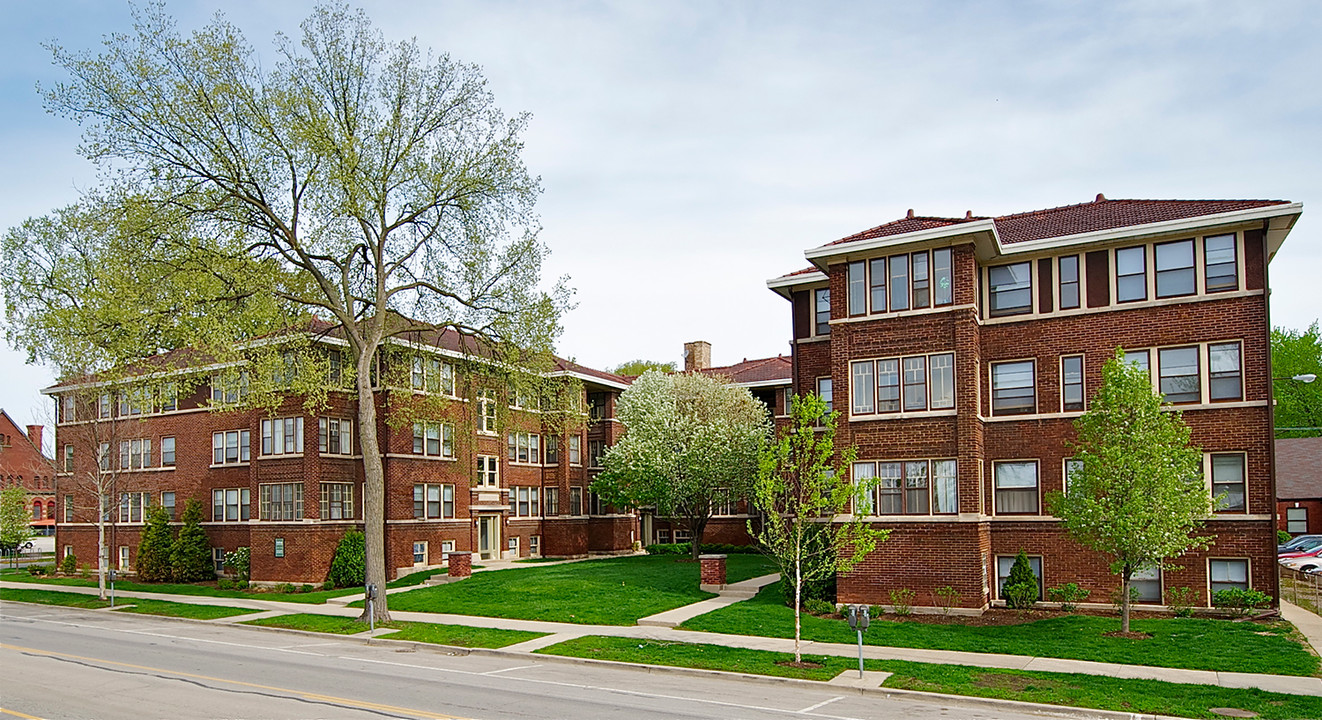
(1124, 601)
(374, 490)
(101, 549)
(697, 526)
(798, 595)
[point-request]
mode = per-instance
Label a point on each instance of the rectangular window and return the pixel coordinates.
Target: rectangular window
(1016, 488)
(552, 449)
(1174, 265)
(523, 502)
(858, 288)
(1229, 574)
(66, 409)
(230, 448)
(1072, 468)
(103, 407)
(822, 311)
(1228, 482)
(335, 436)
(1147, 582)
(824, 391)
(282, 436)
(1138, 358)
(337, 501)
(433, 439)
(231, 505)
(899, 279)
(535, 545)
(433, 501)
(68, 458)
(486, 422)
(862, 388)
(131, 506)
(279, 547)
(103, 457)
(418, 378)
(922, 288)
(1224, 373)
(167, 452)
(575, 450)
(552, 497)
(1011, 288)
(1221, 264)
(281, 501)
(524, 448)
(167, 502)
(229, 388)
(594, 453)
(1068, 269)
(140, 454)
(945, 487)
(1071, 383)
(488, 471)
(1131, 274)
(1179, 380)
(124, 564)
(877, 275)
(941, 374)
(890, 483)
(1014, 388)
(888, 386)
(1296, 520)
(420, 553)
(916, 489)
(1003, 565)
(68, 508)
(865, 474)
(575, 501)
(942, 287)
(124, 451)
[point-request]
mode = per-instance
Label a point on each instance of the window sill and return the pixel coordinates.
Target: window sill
(167, 468)
(215, 466)
(904, 415)
(412, 456)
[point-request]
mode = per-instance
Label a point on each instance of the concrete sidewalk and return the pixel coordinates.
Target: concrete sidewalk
(729, 595)
(559, 632)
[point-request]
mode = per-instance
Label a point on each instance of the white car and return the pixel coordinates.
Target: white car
(1304, 563)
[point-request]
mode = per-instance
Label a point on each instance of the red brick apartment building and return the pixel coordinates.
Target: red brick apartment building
(1299, 485)
(485, 474)
(23, 464)
(959, 352)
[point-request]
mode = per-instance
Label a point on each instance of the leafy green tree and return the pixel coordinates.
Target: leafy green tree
(800, 480)
(638, 367)
(346, 568)
(190, 560)
(1138, 494)
(691, 442)
(1298, 404)
(381, 181)
(15, 519)
(156, 547)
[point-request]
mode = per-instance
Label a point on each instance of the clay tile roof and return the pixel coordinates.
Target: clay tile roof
(1299, 468)
(750, 371)
(1100, 214)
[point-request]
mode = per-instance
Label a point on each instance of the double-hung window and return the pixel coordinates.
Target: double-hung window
(486, 405)
(103, 407)
(910, 487)
(488, 471)
(523, 502)
(1067, 268)
(899, 281)
(281, 501)
(335, 436)
(1296, 520)
(1131, 274)
(877, 286)
(1011, 289)
(1004, 563)
(864, 401)
(1179, 378)
(167, 452)
(434, 439)
(824, 391)
(943, 289)
(922, 286)
(432, 502)
(1014, 389)
(552, 449)
(1146, 581)
(230, 447)
(132, 506)
(1229, 574)
(551, 504)
(230, 505)
(1224, 373)
(1016, 487)
(913, 384)
(1221, 266)
(1175, 268)
(337, 501)
(575, 449)
(822, 311)
(1228, 482)
(282, 436)
(858, 288)
(1071, 383)
(135, 454)
(524, 448)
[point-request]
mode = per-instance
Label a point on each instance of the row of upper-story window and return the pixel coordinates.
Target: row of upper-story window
(919, 280)
(1184, 374)
(436, 439)
(931, 486)
(1178, 268)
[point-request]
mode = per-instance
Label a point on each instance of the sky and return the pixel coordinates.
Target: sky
(689, 151)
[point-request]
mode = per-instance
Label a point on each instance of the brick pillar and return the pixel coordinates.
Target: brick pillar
(461, 564)
(713, 570)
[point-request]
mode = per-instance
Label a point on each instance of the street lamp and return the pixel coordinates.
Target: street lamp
(1304, 378)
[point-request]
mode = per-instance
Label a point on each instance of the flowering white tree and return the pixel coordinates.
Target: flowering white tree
(1137, 492)
(690, 442)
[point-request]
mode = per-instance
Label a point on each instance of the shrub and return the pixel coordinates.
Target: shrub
(1021, 589)
(946, 598)
(1240, 602)
(286, 588)
(239, 562)
(1180, 600)
(69, 565)
(190, 560)
(816, 606)
(347, 567)
(902, 600)
(35, 570)
(328, 585)
(84, 571)
(707, 548)
(305, 588)
(876, 611)
(1282, 537)
(241, 585)
(1068, 595)
(224, 584)
(154, 551)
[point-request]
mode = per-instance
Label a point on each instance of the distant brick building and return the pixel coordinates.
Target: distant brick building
(959, 352)
(1299, 485)
(24, 464)
(484, 474)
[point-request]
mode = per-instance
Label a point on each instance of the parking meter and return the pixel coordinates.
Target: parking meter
(859, 620)
(369, 594)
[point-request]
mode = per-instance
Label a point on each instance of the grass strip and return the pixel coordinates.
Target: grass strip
(456, 635)
(122, 604)
(1189, 643)
(615, 591)
(52, 597)
(313, 597)
(1073, 690)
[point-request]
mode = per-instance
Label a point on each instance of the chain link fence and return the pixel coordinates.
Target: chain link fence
(1302, 589)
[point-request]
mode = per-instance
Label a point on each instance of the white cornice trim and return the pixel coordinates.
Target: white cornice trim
(972, 227)
(782, 285)
(589, 378)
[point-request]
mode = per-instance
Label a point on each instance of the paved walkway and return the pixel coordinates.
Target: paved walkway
(1309, 624)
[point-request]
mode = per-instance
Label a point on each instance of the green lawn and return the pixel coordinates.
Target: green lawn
(456, 635)
(145, 607)
(615, 591)
(1179, 643)
(1088, 691)
(315, 597)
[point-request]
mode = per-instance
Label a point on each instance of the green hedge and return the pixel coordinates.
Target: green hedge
(707, 548)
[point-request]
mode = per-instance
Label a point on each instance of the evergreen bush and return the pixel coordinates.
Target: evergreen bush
(191, 559)
(69, 565)
(346, 568)
(1021, 589)
(155, 549)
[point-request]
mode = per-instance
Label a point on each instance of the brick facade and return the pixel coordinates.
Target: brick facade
(23, 463)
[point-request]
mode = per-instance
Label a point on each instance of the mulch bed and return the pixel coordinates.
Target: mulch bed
(994, 617)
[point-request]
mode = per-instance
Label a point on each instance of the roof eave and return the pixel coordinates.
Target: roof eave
(984, 233)
(785, 284)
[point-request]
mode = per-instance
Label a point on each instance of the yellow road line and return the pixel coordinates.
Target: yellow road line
(306, 695)
(16, 713)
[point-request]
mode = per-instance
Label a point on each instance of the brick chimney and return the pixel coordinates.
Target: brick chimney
(697, 355)
(34, 434)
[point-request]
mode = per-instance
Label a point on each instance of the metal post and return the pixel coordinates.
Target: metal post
(371, 613)
(112, 589)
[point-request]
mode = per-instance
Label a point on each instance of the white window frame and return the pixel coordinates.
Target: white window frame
(419, 553)
(327, 502)
(992, 367)
(1296, 520)
(1211, 570)
(486, 412)
(342, 436)
(488, 471)
(997, 488)
(999, 583)
(220, 445)
(277, 439)
(1209, 472)
(239, 499)
(441, 495)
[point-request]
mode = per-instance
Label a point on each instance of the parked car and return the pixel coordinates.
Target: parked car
(1297, 542)
(1306, 562)
(1300, 549)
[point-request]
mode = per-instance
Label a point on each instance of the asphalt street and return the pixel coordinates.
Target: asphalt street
(62, 663)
